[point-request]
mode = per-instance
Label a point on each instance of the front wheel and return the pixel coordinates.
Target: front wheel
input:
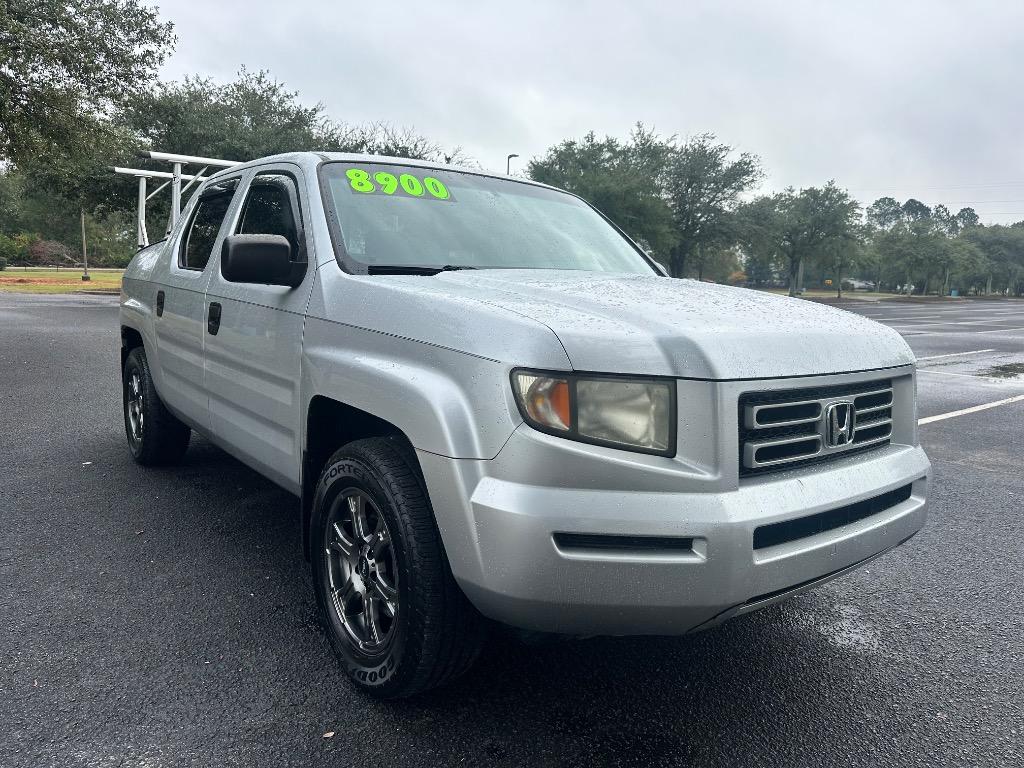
(396, 619)
(155, 435)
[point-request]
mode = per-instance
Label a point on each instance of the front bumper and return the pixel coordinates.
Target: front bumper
(499, 521)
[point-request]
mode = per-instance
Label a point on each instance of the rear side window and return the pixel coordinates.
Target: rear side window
(205, 225)
(270, 209)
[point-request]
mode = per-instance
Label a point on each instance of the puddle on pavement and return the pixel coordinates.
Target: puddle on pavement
(1006, 371)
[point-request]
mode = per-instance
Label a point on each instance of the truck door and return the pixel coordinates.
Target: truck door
(252, 354)
(180, 322)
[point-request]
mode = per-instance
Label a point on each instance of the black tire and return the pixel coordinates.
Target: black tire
(435, 633)
(155, 435)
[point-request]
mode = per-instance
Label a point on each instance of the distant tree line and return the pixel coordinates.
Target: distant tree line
(692, 205)
(79, 92)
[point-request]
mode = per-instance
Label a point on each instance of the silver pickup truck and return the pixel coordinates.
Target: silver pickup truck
(495, 407)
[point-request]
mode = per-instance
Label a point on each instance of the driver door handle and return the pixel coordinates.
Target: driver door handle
(213, 318)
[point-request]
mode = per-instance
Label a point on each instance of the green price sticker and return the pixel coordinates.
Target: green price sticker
(364, 182)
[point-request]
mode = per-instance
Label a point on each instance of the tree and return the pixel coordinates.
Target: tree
(66, 64)
(944, 221)
(1003, 251)
(915, 210)
(11, 250)
(797, 226)
(960, 259)
(972, 268)
(909, 239)
(906, 251)
(703, 187)
(27, 207)
(720, 265)
(16, 248)
(880, 217)
(884, 213)
(624, 180)
(758, 228)
(967, 217)
(840, 255)
(674, 199)
(253, 116)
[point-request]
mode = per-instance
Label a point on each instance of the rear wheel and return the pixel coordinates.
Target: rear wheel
(155, 435)
(396, 619)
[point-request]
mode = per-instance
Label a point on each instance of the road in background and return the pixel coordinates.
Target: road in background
(165, 617)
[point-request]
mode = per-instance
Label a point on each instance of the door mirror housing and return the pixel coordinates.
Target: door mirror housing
(261, 259)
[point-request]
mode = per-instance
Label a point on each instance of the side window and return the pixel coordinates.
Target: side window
(197, 245)
(270, 209)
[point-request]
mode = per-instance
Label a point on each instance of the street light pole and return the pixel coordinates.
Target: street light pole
(85, 253)
(508, 164)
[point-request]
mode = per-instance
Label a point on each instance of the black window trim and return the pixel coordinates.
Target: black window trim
(294, 196)
(187, 229)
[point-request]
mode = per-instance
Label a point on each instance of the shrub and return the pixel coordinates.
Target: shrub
(14, 249)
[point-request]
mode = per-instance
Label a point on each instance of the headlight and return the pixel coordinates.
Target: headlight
(636, 414)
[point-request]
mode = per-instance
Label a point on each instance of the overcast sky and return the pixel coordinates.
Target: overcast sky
(922, 99)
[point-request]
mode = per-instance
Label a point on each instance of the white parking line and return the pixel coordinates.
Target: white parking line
(965, 411)
(999, 330)
(955, 354)
(989, 321)
(948, 373)
(958, 332)
(915, 324)
(905, 317)
(950, 311)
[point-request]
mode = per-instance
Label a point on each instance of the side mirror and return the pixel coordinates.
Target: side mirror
(262, 259)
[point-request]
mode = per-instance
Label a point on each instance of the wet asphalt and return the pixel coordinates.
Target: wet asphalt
(165, 617)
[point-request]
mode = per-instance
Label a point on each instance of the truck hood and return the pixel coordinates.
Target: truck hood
(638, 324)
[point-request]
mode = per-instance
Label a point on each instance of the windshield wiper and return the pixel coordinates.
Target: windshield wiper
(413, 269)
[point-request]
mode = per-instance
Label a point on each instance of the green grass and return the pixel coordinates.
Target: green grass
(46, 280)
(816, 293)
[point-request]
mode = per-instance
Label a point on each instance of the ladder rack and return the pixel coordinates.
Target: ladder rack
(173, 180)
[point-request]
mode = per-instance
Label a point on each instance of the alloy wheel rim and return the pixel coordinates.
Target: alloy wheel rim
(134, 405)
(362, 572)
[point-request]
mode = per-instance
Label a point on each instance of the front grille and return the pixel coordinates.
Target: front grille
(782, 429)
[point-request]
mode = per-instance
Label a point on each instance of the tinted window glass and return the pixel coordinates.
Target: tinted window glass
(268, 209)
(206, 221)
(399, 215)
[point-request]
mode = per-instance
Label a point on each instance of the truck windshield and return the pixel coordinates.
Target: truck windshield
(406, 216)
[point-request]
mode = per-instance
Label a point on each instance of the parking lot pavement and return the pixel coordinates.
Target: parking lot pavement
(969, 352)
(165, 617)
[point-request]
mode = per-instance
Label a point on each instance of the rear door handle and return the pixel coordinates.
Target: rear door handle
(213, 319)
(159, 303)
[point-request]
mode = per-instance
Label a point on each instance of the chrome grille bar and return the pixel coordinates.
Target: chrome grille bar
(785, 428)
(758, 416)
